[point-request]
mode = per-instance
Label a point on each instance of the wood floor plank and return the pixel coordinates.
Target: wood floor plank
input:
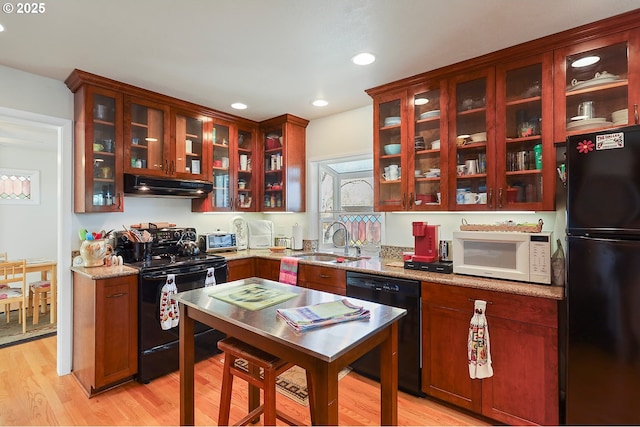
(31, 393)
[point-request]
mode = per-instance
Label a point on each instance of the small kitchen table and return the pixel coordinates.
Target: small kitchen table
(323, 351)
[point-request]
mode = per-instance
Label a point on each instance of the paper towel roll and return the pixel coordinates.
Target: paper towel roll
(296, 235)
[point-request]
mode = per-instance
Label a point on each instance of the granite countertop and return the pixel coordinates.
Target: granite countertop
(395, 268)
(105, 272)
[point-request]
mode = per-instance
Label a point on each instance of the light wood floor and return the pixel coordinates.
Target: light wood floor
(31, 393)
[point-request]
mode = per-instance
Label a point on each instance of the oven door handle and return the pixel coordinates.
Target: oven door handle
(177, 275)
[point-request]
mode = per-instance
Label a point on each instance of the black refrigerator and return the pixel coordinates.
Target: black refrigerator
(601, 357)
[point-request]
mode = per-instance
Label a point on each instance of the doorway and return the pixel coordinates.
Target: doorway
(34, 142)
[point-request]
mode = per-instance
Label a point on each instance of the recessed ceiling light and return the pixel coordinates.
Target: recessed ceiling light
(1, 28)
(421, 101)
(586, 61)
(363, 58)
(239, 106)
(320, 103)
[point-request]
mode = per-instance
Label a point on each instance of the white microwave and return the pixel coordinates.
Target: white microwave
(506, 255)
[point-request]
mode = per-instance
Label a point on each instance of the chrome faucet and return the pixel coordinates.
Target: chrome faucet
(346, 235)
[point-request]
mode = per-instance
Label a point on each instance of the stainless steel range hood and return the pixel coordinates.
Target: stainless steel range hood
(148, 186)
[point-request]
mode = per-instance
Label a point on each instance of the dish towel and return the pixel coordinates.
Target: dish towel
(478, 343)
(289, 270)
(169, 311)
(210, 280)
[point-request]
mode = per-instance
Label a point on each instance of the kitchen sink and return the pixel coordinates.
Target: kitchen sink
(326, 257)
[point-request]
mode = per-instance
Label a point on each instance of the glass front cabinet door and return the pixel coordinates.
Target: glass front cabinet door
(427, 165)
(471, 141)
(146, 138)
(190, 149)
(248, 191)
(525, 154)
(99, 156)
(222, 178)
(596, 84)
(389, 115)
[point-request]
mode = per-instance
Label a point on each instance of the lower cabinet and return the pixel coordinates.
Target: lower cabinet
(523, 334)
(268, 268)
(241, 269)
(326, 279)
(105, 331)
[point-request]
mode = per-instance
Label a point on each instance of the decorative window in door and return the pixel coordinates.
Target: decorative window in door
(19, 186)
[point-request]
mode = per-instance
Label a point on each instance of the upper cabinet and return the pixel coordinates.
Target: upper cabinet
(410, 146)
(472, 140)
(147, 147)
(191, 145)
(390, 147)
(98, 150)
(525, 167)
(122, 129)
(234, 170)
(597, 84)
(283, 161)
(480, 135)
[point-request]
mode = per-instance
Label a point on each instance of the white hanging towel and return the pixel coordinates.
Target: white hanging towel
(169, 310)
(478, 343)
(210, 280)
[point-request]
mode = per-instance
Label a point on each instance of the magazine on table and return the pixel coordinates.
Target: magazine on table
(326, 313)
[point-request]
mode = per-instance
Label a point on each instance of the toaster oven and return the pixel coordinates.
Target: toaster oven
(217, 242)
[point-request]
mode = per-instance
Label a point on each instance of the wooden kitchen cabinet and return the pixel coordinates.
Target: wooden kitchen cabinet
(472, 139)
(105, 331)
(147, 148)
(413, 119)
(268, 268)
(326, 279)
(284, 159)
(523, 334)
(98, 149)
(241, 269)
(235, 172)
(610, 87)
(525, 167)
(164, 141)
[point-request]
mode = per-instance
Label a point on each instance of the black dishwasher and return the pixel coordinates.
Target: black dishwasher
(399, 293)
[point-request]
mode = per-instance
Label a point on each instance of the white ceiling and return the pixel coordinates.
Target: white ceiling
(276, 55)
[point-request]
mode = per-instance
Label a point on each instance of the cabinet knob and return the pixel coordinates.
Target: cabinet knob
(635, 112)
(411, 199)
(490, 199)
(500, 198)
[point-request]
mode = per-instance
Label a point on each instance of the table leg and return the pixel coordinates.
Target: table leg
(389, 378)
(187, 404)
(254, 392)
(325, 393)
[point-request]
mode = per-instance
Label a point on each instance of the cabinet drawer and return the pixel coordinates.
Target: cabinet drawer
(540, 311)
(313, 273)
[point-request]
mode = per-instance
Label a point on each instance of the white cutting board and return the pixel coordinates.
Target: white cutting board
(260, 234)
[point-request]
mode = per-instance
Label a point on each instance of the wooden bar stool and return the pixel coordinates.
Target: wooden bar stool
(271, 365)
(39, 293)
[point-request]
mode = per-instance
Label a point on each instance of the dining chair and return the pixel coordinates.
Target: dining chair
(14, 272)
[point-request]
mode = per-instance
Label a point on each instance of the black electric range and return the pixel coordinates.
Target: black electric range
(165, 269)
